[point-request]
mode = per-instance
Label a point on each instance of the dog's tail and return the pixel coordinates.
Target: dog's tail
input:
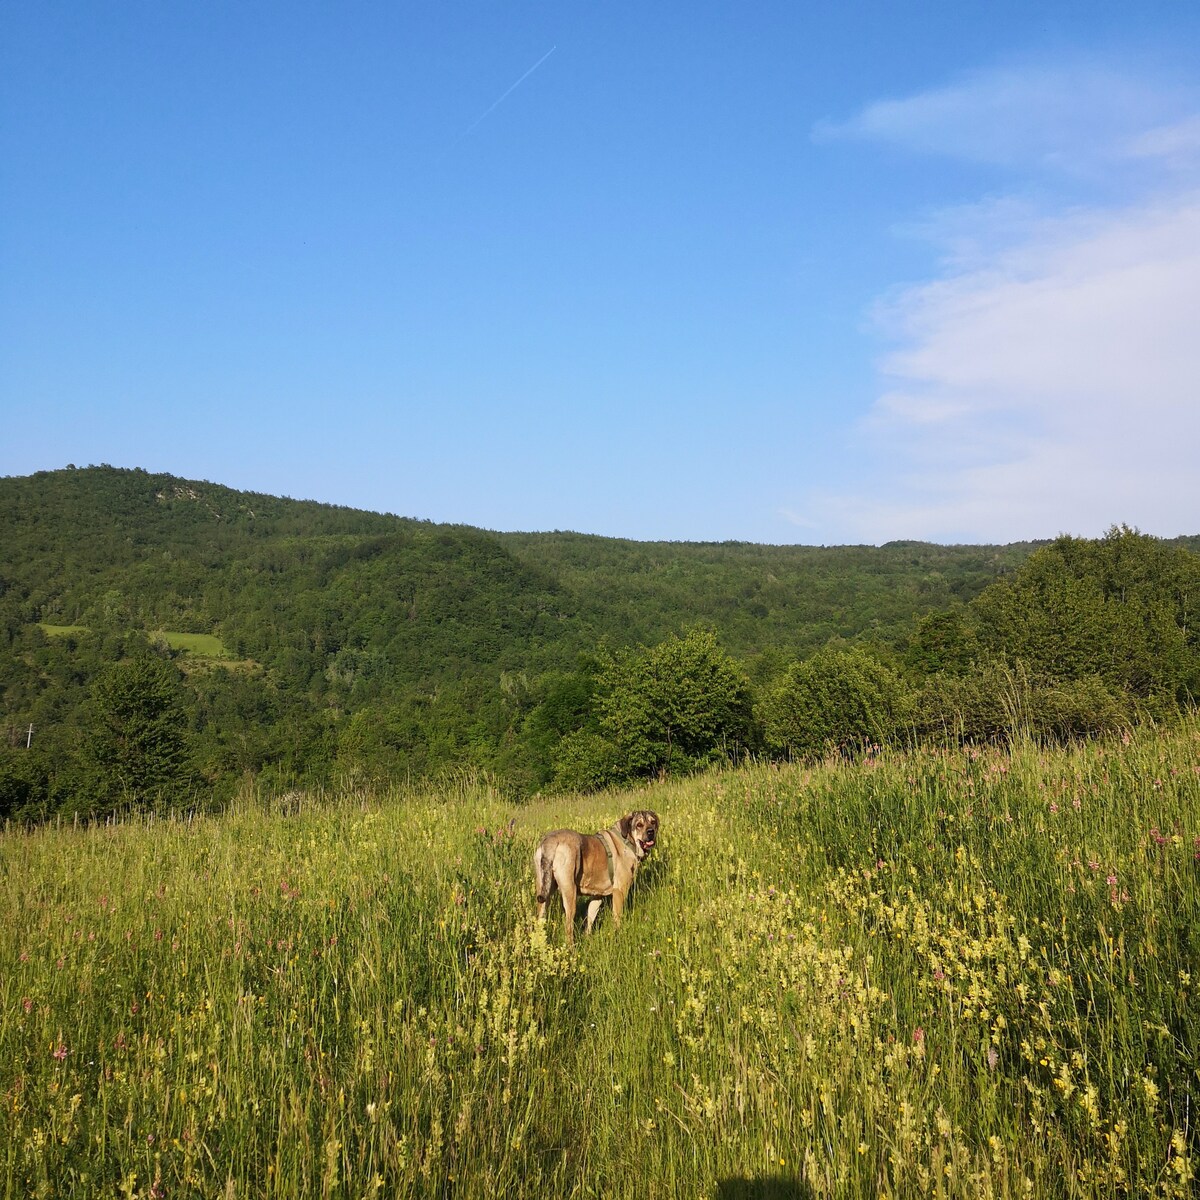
(543, 874)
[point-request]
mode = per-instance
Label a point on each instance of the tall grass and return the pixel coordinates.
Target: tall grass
(940, 973)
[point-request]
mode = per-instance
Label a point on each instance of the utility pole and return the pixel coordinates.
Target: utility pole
(29, 736)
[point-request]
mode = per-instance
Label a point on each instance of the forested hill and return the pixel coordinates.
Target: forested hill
(299, 640)
(760, 599)
(275, 578)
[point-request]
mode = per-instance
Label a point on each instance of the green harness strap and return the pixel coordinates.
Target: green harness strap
(608, 851)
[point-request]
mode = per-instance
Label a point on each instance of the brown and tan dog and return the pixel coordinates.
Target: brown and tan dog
(593, 865)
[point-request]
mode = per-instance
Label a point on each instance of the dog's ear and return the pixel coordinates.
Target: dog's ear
(626, 824)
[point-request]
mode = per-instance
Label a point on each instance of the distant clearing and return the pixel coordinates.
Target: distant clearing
(200, 645)
(203, 645)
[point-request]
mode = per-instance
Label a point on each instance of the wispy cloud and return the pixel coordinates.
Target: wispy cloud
(1076, 116)
(1046, 379)
(1175, 144)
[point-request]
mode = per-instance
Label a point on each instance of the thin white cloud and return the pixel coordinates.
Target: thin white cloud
(1048, 379)
(1176, 144)
(1071, 117)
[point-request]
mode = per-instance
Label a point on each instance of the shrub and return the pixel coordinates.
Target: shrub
(837, 698)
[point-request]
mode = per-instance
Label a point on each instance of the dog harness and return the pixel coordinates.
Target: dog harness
(609, 851)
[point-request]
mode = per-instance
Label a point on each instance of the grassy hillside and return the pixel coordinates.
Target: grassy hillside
(942, 973)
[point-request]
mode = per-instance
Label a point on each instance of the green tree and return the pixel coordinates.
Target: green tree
(587, 761)
(944, 640)
(837, 698)
(137, 743)
(563, 709)
(676, 706)
(1122, 609)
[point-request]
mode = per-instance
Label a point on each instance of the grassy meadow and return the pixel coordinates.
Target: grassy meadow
(954, 973)
(201, 645)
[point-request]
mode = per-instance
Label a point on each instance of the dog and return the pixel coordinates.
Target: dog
(594, 865)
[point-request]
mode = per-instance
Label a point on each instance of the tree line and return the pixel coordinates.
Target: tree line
(1087, 637)
(360, 647)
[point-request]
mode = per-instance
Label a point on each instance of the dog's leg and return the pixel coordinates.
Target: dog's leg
(618, 907)
(543, 881)
(569, 895)
(593, 911)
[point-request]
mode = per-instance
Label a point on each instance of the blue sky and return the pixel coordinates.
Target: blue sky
(778, 272)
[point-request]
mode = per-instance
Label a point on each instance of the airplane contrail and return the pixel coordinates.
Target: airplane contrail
(496, 103)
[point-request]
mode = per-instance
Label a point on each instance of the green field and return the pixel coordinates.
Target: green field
(939, 974)
(55, 631)
(201, 645)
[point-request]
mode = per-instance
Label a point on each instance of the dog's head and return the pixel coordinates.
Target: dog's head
(641, 829)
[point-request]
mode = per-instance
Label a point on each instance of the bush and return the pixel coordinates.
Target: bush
(1000, 700)
(836, 699)
(24, 792)
(979, 707)
(1069, 709)
(586, 762)
(681, 704)
(675, 707)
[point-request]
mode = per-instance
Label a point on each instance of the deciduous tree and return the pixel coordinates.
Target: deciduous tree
(137, 739)
(837, 698)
